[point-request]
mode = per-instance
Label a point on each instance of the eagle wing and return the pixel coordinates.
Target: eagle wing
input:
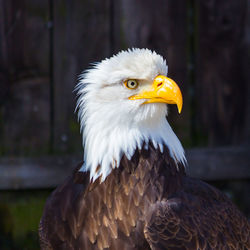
(59, 223)
(197, 217)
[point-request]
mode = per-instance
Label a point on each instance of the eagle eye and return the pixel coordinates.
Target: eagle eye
(131, 84)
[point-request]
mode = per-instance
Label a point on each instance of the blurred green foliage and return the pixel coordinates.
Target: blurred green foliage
(20, 213)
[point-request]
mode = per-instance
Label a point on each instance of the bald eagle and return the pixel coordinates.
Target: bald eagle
(131, 191)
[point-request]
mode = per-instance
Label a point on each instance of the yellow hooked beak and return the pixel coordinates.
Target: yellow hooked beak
(163, 90)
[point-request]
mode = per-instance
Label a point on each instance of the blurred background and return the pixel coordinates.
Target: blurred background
(45, 45)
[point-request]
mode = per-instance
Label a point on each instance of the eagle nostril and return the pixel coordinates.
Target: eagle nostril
(159, 84)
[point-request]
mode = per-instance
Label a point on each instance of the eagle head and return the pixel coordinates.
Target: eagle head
(122, 106)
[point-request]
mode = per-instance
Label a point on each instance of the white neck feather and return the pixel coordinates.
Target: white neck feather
(105, 143)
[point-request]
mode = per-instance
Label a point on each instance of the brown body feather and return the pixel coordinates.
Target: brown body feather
(146, 203)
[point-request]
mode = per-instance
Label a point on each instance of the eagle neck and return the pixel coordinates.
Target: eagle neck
(104, 148)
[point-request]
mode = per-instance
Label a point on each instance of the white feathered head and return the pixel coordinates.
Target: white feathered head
(121, 105)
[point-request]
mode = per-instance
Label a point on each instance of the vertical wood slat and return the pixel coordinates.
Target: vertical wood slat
(247, 42)
(222, 72)
(161, 26)
(81, 36)
(24, 106)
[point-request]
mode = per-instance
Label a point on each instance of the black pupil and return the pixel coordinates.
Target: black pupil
(132, 83)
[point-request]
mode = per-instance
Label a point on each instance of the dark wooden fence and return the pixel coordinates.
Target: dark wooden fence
(45, 45)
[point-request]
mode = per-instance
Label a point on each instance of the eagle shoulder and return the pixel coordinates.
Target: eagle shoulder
(196, 217)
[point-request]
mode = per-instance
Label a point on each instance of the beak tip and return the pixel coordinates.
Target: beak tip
(179, 106)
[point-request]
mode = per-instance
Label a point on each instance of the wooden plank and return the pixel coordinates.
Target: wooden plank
(159, 25)
(24, 105)
(50, 171)
(219, 163)
(81, 37)
(43, 172)
(222, 70)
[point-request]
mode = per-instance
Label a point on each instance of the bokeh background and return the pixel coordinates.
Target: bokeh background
(45, 45)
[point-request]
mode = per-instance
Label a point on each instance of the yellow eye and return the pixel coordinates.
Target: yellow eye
(131, 84)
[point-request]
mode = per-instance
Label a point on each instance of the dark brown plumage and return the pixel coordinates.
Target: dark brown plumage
(146, 203)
